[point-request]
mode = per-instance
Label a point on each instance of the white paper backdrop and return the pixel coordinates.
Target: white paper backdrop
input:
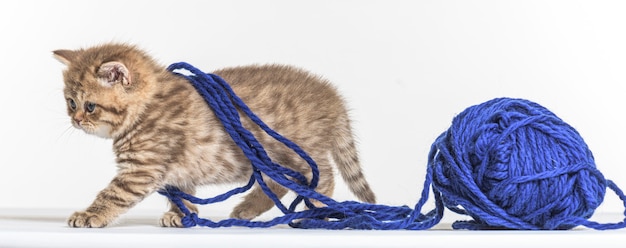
(406, 67)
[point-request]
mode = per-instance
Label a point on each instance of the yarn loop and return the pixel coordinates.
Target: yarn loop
(507, 163)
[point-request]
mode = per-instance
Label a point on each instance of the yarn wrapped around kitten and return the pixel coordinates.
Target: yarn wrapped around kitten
(513, 164)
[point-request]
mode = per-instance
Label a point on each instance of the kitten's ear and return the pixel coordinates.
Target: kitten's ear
(113, 72)
(65, 56)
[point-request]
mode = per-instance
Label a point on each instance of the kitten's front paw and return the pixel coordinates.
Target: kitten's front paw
(171, 219)
(86, 219)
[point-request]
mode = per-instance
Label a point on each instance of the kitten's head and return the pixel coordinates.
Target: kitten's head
(105, 86)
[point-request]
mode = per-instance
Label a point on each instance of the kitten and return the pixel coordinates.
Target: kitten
(164, 133)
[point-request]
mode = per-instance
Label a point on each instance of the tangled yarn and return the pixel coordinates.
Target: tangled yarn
(336, 215)
(507, 163)
(513, 164)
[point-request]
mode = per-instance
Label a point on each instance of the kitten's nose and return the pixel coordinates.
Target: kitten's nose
(78, 119)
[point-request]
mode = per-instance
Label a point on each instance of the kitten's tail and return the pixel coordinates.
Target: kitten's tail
(346, 157)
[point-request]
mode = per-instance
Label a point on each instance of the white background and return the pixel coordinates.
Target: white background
(405, 67)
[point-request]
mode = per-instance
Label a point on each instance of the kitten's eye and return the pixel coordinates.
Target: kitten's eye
(72, 104)
(90, 107)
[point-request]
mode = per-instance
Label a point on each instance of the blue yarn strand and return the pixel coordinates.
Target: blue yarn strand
(218, 95)
(506, 163)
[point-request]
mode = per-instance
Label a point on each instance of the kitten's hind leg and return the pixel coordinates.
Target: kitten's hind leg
(173, 217)
(257, 202)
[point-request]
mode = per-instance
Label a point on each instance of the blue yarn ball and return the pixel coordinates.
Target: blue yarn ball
(513, 164)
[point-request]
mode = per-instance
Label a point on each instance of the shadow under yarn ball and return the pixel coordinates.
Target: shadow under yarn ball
(513, 164)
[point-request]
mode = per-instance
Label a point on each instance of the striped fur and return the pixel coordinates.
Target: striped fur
(164, 133)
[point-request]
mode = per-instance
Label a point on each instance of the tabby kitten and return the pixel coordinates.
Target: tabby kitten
(165, 134)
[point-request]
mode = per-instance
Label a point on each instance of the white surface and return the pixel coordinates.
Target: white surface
(46, 228)
(406, 68)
